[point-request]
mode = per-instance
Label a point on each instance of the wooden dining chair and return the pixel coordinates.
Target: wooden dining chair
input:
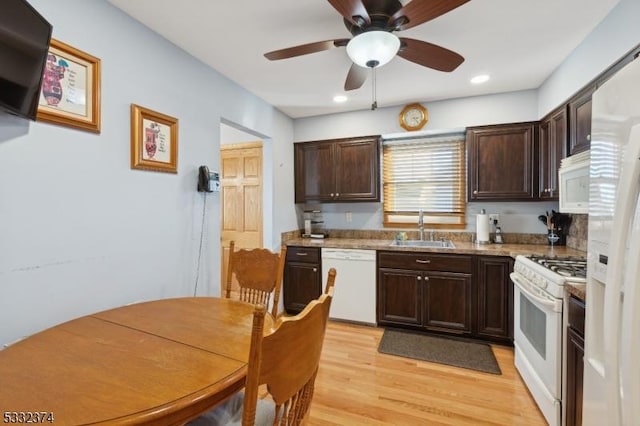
(258, 273)
(285, 358)
(331, 280)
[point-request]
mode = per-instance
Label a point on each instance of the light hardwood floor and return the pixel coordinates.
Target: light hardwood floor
(356, 385)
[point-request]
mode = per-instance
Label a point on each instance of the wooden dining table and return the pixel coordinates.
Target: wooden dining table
(160, 362)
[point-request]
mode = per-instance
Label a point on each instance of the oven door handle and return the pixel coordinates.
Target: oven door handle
(525, 287)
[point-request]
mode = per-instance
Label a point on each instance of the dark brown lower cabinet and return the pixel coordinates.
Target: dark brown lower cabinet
(575, 362)
(302, 281)
(495, 298)
(399, 297)
(447, 302)
(414, 292)
(462, 295)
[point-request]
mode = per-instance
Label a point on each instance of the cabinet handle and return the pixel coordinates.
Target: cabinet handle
(332, 194)
(419, 278)
(475, 192)
(337, 194)
(315, 269)
(426, 278)
(422, 261)
(301, 254)
(588, 137)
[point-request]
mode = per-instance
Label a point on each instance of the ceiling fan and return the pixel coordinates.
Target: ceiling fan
(371, 23)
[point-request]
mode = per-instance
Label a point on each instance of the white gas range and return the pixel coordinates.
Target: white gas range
(538, 330)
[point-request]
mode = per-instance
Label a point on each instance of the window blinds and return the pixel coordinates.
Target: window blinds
(425, 173)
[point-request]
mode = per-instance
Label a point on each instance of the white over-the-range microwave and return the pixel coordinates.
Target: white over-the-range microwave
(573, 178)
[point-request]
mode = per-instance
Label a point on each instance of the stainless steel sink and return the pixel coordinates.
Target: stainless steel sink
(423, 243)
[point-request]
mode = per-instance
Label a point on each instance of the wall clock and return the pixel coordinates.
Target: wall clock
(413, 117)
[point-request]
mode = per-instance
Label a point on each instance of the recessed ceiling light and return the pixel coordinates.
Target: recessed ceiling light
(479, 79)
(340, 99)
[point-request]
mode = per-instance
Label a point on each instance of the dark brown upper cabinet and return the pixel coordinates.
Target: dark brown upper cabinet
(502, 162)
(580, 121)
(338, 170)
(551, 150)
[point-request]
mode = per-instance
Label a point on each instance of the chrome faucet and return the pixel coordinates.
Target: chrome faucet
(421, 224)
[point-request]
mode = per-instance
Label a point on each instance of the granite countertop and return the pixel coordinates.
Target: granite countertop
(577, 290)
(460, 247)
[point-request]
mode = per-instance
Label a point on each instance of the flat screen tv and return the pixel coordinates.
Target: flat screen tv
(24, 42)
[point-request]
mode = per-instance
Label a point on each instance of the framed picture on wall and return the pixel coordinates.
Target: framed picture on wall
(154, 140)
(70, 91)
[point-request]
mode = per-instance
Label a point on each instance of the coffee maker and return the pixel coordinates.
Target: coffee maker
(313, 224)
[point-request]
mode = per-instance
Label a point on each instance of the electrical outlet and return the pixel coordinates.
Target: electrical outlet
(348, 216)
(493, 218)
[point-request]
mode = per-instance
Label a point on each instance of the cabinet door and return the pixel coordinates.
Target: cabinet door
(575, 369)
(314, 172)
(357, 164)
(545, 154)
(447, 302)
(501, 162)
(338, 170)
(551, 151)
(399, 297)
(495, 298)
(580, 122)
(559, 149)
(301, 285)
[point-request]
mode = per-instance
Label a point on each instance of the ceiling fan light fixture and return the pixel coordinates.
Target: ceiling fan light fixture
(373, 48)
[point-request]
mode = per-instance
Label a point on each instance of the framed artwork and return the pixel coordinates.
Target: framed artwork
(70, 91)
(154, 140)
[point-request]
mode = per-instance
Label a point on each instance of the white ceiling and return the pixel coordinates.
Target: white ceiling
(518, 42)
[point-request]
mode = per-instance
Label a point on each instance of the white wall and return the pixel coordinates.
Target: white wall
(79, 230)
(443, 115)
(617, 34)
(232, 135)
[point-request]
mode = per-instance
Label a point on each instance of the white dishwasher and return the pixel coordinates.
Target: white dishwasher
(354, 295)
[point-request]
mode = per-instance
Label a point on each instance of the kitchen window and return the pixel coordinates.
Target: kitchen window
(428, 174)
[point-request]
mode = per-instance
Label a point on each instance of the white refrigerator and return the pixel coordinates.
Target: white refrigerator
(611, 394)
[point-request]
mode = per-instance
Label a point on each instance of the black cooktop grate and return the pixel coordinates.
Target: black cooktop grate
(565, 266)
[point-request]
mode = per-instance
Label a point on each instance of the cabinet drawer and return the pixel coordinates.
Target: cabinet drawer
(425, 261)
(576, 315)
(303, 254)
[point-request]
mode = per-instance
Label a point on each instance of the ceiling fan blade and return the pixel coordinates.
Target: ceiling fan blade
(429, 55)
(305, 49)
(351, 10)
(417, 12)
(356, 77)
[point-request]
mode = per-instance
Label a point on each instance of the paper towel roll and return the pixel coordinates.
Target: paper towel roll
(482, 228)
